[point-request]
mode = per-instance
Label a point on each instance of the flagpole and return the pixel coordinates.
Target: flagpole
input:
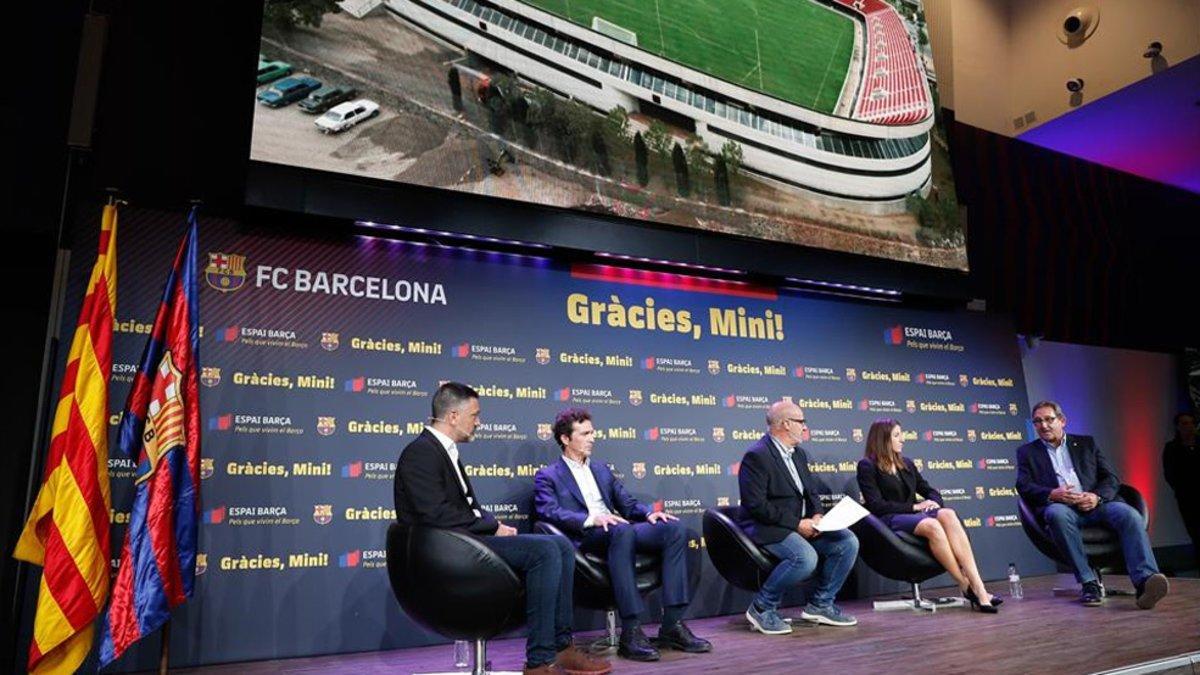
(164, 655)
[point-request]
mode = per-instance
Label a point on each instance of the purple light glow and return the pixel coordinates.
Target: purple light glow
(1150, 128)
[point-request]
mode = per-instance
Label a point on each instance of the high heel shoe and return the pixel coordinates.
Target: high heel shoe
(977, 605)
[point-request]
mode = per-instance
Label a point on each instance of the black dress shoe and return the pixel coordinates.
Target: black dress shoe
(635, 646)
(680, 637)
(1091, 595)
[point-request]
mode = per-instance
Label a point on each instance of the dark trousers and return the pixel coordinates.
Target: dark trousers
(1190, 510)
(621, 542)
(547, 564)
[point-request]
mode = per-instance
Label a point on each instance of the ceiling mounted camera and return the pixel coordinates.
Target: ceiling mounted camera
(1078, 25)
(1075, 85)
(1154, 49)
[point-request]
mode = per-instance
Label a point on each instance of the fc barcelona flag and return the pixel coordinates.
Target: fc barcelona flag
(160, 430)
(67, 531)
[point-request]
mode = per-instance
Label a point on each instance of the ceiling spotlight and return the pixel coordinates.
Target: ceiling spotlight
(1075, 86)
(1153, 50)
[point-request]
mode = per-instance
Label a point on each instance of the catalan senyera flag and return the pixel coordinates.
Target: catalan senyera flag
(67, 530)
(160, 430)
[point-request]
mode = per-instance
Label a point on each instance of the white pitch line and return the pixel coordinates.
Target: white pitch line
(758, 53)
(662, 39)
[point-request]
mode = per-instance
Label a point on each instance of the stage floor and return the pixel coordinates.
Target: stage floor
(1038, 634)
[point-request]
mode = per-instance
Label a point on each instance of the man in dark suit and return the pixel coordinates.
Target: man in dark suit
(587, 502)
(782, 511)
(1069, 484)
(432, 489)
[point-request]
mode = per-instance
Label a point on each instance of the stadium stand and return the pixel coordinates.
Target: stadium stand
(893, 89)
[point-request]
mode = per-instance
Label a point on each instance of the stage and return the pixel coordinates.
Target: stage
(1038, 634)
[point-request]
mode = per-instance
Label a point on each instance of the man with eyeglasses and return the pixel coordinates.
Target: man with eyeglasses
(1069, 484)
(781, 511)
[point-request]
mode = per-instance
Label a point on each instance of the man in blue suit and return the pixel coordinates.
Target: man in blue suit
(584, 500)
(1069, 484)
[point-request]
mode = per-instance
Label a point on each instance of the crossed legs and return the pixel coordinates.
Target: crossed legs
(950, 546)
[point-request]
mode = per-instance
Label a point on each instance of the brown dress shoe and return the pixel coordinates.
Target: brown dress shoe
(576, 662)
(544, 669)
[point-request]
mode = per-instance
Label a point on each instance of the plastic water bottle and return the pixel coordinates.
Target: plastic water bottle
(1014, 583)
(462, 654)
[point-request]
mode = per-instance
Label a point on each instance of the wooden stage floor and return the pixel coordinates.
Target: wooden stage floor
(1038, 634)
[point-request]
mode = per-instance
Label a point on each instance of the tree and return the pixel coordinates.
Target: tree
(699, 158)
(731, 160)
(452, 79)
(579, 123)
(682, 182)
(641, 159)
(658, 139)
(616, 124)
(600, 153)
(721, 181)
(499, 91)
(288, 14)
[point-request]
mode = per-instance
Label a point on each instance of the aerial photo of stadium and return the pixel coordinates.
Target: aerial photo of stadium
(806, 121)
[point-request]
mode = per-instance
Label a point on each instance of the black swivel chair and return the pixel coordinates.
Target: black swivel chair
(1102, 546)
(899, 556)
(452, 584)
(593, 587)
(737, 558)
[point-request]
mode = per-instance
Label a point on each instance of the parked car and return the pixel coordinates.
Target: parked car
(326, 97)
(288, 91)
(269, 71)
(343, 116)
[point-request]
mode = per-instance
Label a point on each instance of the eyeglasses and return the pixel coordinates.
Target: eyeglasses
(1044, 420)
(799, 420)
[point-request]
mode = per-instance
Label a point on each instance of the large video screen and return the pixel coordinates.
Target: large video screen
(810, 122)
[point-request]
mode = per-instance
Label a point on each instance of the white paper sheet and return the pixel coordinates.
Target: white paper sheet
(843, 514)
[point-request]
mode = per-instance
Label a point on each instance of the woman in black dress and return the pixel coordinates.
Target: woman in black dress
(895, 491)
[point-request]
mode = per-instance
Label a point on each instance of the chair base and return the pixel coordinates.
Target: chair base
(607, 642)
(918, 604)
(481, 664)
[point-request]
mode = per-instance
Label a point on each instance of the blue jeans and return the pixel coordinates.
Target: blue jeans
(621, 542)
(832, 552)
(1064, 522)
(547, 564)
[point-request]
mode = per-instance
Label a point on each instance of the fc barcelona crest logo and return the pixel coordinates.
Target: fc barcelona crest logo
(210, 376)
(919, 463)
(714, 367)
(226, 272)
(851, 374)
(857, 434)
(164, 430)
(542, 355)
(962, 379)
(201, 563)
(206, 467)
(639, 470)
(971, 435)
(1012, 408)
(635, 397)
(718, 435)
(979, 492)
(910, 405)
(544, 431)
(326, 425)
(322, 514)
(329, 341)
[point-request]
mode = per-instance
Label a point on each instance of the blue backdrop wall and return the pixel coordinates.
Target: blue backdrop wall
(319, 357)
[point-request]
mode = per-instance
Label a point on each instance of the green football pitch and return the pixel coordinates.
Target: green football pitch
(791, 49)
